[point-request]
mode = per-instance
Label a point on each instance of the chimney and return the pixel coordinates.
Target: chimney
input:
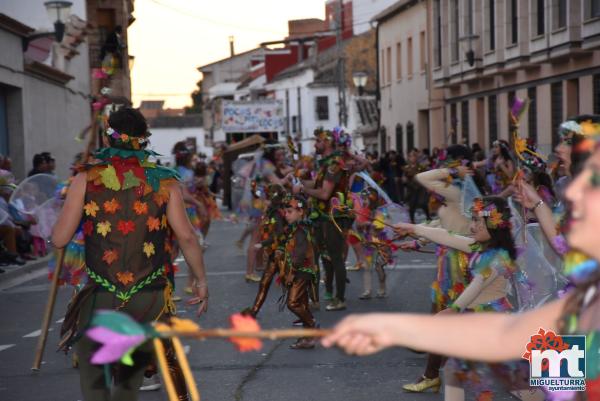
(231, 49)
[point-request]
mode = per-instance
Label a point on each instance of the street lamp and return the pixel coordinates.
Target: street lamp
(58, 13)
(470, 53)
(360, 81)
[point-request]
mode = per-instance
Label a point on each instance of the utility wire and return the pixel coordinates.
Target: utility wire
(229, 24)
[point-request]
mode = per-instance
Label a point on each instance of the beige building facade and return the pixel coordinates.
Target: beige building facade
(485, 53)
(410, 114)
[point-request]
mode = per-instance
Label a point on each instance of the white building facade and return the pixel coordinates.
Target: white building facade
(308, 104)
(167, 131)
(408, 117)
(547, 51)
(363, 12)
(44, 101)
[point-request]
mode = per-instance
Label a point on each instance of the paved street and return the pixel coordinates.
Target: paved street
(275, 373)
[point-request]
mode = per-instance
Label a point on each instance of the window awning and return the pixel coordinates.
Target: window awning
(222, 89)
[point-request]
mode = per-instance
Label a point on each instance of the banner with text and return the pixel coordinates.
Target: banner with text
(252, 116)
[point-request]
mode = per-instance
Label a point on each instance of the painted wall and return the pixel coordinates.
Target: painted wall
(44, 116)
(163, 139)
(364, 10)
(308, 95)
(403, 96)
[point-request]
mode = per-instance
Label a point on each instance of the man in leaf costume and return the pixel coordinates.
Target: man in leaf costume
(126, 204)
(333, 179)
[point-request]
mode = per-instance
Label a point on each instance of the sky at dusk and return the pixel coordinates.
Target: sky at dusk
(171, 38)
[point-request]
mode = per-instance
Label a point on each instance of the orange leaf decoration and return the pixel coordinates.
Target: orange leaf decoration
(140, 208)
(126, 226)
(93, 174)
(111, 206)
(125, 277)
(163, 221)
(485, 396)
(495, 218)
(162, 195)
(168, 246)
(153, 224)
(91, 208)
(110, 256)
(248, 324)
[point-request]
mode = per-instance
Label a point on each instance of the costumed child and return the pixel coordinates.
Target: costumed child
(378, 251)
(492, 255)
(272, 228)
(300, 270)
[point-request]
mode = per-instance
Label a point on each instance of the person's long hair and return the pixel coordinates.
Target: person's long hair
(541, 178)
(270, 151)
(183, 157)
(501, 237)
(504, 150)
(461, 152)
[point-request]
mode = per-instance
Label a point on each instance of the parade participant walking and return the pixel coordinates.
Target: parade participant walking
(378, 252)
(272, 229)
(207, 198)
(416, 195)
(300, 270)
(332, 179)
(267, 169)
(127, 204)
(194, 208)
(500, 167)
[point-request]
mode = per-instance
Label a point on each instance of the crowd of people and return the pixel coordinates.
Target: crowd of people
(479, 266)
(304, 213)
(19, 240)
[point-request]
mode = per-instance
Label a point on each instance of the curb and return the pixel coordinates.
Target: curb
(28, 268)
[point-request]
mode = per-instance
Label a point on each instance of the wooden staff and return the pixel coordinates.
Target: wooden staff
(372, 219)
(232, 333)
(41, 345)
(39, 350)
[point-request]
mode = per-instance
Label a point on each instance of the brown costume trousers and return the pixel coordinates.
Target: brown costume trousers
(297, 301)
(145, 306)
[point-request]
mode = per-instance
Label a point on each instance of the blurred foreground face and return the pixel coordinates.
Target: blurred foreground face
(583, 195)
